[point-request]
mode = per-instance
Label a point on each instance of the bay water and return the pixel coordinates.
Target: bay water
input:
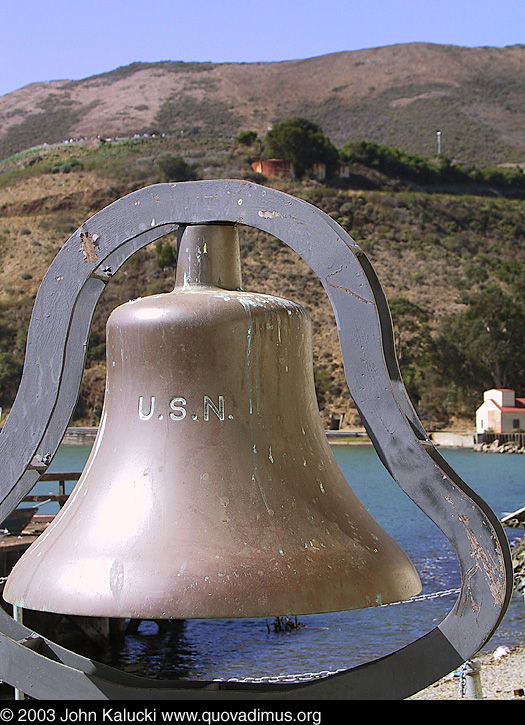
(251, 648)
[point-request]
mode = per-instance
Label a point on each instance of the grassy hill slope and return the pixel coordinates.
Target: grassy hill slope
(431, 248)
(398, 95)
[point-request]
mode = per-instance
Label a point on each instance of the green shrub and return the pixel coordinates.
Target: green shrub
(175, 168)
(247, 138)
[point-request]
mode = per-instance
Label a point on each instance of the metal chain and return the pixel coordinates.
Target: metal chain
(462, 681)
(425, 597)
(303, 677)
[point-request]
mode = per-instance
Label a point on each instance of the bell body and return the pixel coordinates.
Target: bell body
(211, 490)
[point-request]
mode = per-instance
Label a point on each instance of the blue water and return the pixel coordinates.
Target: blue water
(329, 642)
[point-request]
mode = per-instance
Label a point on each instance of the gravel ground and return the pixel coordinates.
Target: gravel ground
(502, 678)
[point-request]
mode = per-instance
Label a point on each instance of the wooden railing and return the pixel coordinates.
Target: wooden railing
(61, 497)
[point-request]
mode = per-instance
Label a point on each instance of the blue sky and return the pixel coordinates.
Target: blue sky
(54, 39)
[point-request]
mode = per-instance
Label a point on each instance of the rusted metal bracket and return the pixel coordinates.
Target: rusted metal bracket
(49, 388)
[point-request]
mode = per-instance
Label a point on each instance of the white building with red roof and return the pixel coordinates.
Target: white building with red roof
(500, 412)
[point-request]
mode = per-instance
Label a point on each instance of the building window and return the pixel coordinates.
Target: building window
(516, 423)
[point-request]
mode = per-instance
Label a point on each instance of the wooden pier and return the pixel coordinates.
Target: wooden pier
(12, 546)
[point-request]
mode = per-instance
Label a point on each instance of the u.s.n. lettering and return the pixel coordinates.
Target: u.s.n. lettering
(179, 408)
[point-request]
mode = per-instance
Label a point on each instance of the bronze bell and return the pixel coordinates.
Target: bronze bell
(211, 490)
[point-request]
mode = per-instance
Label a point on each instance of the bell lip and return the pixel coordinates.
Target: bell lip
(204, 615)
(213, 611)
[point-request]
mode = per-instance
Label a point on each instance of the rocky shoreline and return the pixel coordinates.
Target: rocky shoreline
(497, 447)
(518, 565)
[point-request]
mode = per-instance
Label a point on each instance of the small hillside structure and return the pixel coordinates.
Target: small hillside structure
(500, 412)
(274, 167)
(279, 167)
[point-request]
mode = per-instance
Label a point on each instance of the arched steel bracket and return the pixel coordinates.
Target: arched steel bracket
(49, 388)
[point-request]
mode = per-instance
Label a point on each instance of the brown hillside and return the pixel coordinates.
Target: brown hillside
(428, 249)
(397, 95)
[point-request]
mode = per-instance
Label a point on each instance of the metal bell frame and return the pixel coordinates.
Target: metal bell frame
(48, 391)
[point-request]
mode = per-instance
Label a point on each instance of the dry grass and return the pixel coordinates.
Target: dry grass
(398, 95)
(425, 248)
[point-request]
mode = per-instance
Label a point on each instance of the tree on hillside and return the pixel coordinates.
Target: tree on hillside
(482, 347)
(302, 143)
